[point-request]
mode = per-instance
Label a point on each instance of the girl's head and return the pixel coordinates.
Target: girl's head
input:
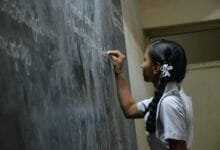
(164, 61)
(162, 52)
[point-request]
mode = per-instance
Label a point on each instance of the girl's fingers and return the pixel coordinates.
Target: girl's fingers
(117, 59)
(114, 58)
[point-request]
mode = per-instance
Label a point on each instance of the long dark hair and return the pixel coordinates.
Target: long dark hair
(165, 52)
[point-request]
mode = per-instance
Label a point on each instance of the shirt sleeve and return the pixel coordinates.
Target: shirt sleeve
(172, 117)
(143, 105)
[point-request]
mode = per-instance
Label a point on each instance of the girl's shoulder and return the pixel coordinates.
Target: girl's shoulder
(172, 101)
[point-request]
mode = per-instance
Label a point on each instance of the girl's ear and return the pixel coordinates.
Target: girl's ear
(156, 69)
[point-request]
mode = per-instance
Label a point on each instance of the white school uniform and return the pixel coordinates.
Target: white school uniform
(174, 118)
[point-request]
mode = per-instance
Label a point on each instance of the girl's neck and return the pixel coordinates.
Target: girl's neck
(155, 82)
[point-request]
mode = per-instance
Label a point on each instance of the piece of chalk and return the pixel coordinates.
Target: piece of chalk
(105, 54)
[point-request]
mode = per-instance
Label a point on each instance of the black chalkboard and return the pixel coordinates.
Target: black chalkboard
(57, 89)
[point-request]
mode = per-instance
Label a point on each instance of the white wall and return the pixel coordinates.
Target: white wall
(135, 51)
(157, 13)
(202, 83)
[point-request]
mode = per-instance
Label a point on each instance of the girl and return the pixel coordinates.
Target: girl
(168, 115)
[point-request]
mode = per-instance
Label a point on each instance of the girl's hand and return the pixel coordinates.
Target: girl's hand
(118, 60)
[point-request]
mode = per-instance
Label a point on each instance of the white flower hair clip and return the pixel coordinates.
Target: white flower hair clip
(165, 68)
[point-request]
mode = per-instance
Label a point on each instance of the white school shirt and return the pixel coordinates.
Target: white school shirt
(174, 118)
